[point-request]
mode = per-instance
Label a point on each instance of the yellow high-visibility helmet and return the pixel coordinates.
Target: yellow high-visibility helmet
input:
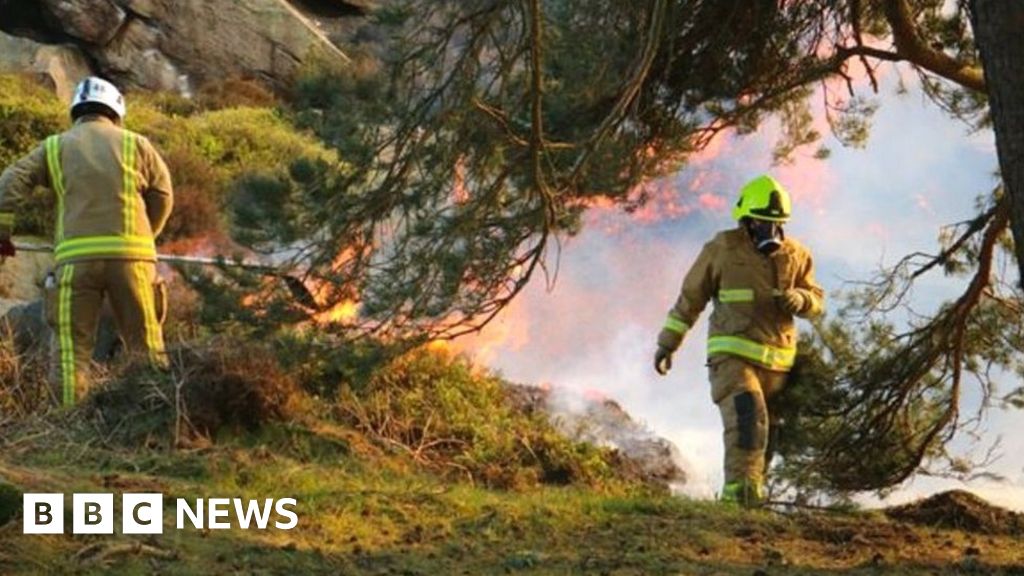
(763, 198)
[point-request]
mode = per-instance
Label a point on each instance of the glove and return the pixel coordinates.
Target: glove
(7, 249)
(663, 360)
(791, 301)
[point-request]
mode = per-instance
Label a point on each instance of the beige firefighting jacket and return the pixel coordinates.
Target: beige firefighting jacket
(744, 284)
(113, 191)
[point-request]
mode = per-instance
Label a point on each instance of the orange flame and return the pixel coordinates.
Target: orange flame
(343, 312)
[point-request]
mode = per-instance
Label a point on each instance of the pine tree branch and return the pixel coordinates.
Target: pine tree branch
(631, 89)
(975, 226)
(856, 11)
(911, 47)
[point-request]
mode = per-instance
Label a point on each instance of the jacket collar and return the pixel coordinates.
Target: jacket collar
(94, 118)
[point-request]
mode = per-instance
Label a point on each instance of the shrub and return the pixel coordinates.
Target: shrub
(324, 367)
(340, 102)
(235, 93)
(24, 388)
(435, 407)
(196, 209)
(228, 135)
(10, 501)
(236, 141)
(219, 387)
(28, 114)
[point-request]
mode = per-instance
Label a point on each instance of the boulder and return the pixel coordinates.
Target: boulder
(364, 5)
(22, 277)
(59, 66)
(172, 44)
(21, 298)
(149, 9)
(95, 22)
(134, 58)
(222, 38)
(27, 327)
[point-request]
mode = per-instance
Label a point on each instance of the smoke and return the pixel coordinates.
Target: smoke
(595, 330)
(592, 416)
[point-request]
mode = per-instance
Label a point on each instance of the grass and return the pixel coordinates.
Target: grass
(364, 511)
(367, 504)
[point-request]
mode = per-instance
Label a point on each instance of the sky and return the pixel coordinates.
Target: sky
(860, 208)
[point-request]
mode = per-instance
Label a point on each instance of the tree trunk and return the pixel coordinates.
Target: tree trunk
(998, 26)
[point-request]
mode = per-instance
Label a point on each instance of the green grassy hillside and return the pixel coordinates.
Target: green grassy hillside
(364, 512)
(489, 491)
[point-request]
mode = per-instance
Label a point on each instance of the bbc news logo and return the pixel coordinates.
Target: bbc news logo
(144, 514)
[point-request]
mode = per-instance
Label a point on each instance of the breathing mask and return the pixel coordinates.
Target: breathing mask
(766, 235)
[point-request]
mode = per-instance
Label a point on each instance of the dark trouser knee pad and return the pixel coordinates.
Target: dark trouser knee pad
(746, 420)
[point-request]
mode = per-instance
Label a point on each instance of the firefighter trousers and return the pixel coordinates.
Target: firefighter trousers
(74, 300)
(741, 390)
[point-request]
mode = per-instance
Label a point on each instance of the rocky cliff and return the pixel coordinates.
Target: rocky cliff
(172, 44)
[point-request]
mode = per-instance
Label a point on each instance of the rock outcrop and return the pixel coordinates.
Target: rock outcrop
(21, 296)
(168, 44)
(94, 22)
(21, 277)
(58, 65)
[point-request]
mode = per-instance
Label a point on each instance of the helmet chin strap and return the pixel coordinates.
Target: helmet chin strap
(767, 236)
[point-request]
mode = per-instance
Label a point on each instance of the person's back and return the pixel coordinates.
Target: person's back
(113, 197)
(102, 168)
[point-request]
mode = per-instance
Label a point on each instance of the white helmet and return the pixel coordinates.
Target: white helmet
(95, 90)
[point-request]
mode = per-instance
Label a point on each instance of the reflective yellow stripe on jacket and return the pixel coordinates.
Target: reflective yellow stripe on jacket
(736, 295)
(57, 181)
(129, 196)
(132, 247)
(770, 357)
(125, 245)
(676, 325)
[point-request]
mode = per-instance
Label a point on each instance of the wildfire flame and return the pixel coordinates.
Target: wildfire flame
(343, 312)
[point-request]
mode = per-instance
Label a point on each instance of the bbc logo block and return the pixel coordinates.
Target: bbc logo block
(93, 513)
(44, 513)
(144, 513)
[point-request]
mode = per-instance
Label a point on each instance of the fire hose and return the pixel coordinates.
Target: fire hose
(294, 283)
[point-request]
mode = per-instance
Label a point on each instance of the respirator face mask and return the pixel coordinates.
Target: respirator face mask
(767, 235)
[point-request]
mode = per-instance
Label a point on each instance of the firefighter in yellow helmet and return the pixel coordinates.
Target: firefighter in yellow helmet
(113, 196)
(759, 279)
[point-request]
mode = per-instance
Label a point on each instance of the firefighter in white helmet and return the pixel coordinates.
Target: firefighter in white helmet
(113, 196)
(759, 279)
